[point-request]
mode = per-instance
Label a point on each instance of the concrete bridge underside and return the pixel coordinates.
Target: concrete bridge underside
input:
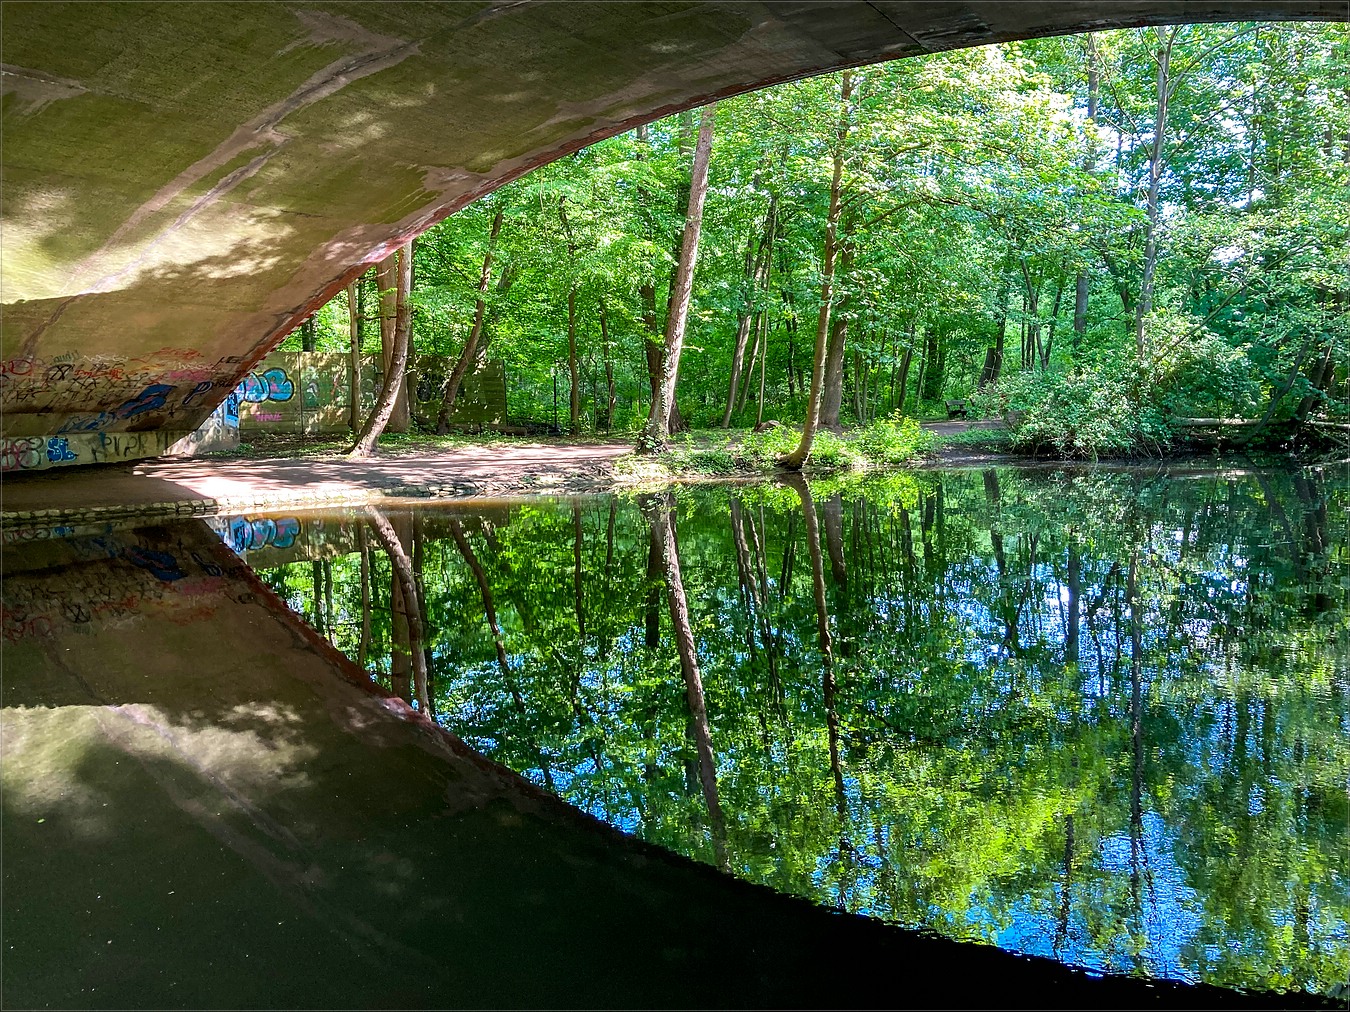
(184, 183)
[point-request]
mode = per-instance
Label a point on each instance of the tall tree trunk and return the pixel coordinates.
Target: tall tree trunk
(828, 685)
(574, 385)
(573, 367)
(1157, 155)
(354, 358)
(795, 459)
(1082, 282)
(663, 522)
(395, 371)
(832, 396)
(469, 354)
(406, 584)
(653, 437)
(609, 367)
(757, 265)
(763, 364)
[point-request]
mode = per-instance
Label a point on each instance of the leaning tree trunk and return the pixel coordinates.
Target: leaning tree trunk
(663, 534)
(658, 420)
(407, 585)
(395, 372)
(797, 457)
(470, 352)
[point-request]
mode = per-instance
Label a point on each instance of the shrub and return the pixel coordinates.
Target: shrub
(715, 460)
(1101, 410)
(764, 448)
(893, 441)
(829, 451)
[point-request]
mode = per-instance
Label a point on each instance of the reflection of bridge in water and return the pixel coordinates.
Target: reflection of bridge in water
(205, 805)
(258, 826)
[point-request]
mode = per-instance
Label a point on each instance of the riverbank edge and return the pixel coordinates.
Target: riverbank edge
(602, 474)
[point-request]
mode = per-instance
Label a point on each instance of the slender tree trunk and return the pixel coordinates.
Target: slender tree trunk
(758, 262)
(1075, 587)
(795, 459)
(573, 368)
(828, 685)
(662, 520)
(609, 367)
(469, 354)
(934, 362)
(743, 323)
(658, 422)
(1082, 282)
(1049, 347)
(832, 396)
(1157, 155)
(903, 381)
(406, 584)
(763, 364)
(395, 372)
(354, 357)
(363, 647)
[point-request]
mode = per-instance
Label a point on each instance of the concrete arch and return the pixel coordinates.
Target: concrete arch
(184, 183)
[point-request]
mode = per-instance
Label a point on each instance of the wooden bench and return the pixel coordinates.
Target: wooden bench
(956, 409)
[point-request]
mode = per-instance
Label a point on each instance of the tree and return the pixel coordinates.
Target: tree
(395, 371)
(658, 422)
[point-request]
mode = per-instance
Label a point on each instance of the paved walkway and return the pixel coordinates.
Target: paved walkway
(203, 486)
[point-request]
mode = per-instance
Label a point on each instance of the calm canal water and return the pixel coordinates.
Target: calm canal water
(1100, 717)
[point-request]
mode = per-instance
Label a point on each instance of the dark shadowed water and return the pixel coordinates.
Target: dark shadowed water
(1100, 717)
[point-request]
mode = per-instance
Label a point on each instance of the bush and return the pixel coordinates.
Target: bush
(893, 441)
(764, 448)
(830, 452)
(1102, 410)
(715, 460)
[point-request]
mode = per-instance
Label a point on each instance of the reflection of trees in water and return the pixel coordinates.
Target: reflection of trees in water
(1100, 718)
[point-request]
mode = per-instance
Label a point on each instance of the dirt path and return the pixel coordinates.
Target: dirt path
(212, 485)
(203, 485)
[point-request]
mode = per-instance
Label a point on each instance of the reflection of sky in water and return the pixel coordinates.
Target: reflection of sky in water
(960, 737)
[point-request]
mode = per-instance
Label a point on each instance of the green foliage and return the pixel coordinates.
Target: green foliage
(1095, 412)
(829, 452)
(1101, 713)
(893, 441)
(766, 447)
(979, 199)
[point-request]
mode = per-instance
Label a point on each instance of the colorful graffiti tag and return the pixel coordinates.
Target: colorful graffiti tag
(243, 534)
(270, 385)
(30, 452)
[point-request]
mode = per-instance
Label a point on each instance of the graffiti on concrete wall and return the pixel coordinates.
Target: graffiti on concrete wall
(244, 534)
(116, 578)
(32, 452)
(87, 394)
(272, 384)
(274, 541)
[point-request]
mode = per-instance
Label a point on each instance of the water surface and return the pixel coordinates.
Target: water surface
(1096, 716)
